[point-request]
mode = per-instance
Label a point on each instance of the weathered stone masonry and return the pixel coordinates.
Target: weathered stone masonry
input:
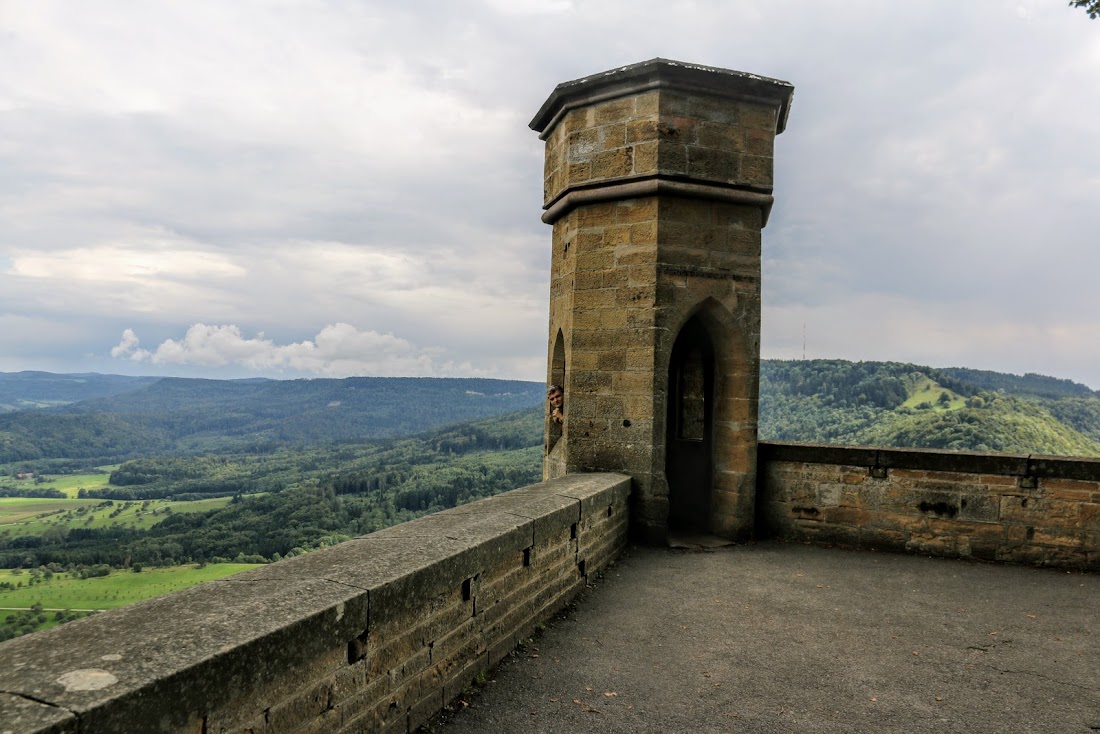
(658, 180)
(375, 634)
(1042, 510)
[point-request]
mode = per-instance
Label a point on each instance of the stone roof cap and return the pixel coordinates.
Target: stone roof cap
(662, 74)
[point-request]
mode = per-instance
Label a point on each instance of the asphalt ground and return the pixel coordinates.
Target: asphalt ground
(792, 638)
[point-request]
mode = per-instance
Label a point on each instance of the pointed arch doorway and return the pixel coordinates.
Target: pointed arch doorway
(690, 430)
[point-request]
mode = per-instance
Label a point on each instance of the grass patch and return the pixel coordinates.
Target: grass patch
(30, 516)
(109, 592)
(926, 390)
(21, 509)
(70, 484)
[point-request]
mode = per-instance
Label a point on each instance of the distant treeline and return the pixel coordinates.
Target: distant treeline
(176, 416)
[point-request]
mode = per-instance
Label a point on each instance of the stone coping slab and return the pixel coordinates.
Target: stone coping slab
(660, 73)
(969, 462)
(156, 665)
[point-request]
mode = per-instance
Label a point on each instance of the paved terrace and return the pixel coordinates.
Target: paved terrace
(789, 638)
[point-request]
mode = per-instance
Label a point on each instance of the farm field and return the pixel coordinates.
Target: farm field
(33, 516)
(70, 484)
(108, 592)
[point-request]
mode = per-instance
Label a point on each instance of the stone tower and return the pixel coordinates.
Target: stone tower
(658, 181)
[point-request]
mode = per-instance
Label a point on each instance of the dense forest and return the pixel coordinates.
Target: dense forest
(310, 463)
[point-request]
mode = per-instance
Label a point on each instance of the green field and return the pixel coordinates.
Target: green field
(70, 484)
(32, 516)
(20, 509)
(926, 390)
(108, 592)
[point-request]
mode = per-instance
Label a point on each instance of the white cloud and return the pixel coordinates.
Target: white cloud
(338, 350)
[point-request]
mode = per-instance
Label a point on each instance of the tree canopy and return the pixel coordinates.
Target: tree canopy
(1092, 7)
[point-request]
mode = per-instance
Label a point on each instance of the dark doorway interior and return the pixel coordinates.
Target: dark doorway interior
(690, 429)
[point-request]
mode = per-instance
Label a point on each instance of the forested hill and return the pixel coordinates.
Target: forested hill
(29, 390)
(820, 401)
(188, 416)
(1030, 384)
(907, 405)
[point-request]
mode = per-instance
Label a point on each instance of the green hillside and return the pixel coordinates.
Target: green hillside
(1002, 423)
(913, 406)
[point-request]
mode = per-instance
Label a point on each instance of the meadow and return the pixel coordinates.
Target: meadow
(70, 484)
(33, 516)
(120, 588)
(37, 515)
(926, 390)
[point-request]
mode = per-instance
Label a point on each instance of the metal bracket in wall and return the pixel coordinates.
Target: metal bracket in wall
(878, 472)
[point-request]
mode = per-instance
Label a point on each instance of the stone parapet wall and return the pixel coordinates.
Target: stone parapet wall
(1041, 510)
(375, 634)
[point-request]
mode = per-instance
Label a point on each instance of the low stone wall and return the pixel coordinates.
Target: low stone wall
(1042, 510)
(375, 634)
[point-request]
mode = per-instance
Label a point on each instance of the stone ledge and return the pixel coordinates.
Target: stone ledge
(166, 663)
(661, 74)
(22, 714)
(968, 462)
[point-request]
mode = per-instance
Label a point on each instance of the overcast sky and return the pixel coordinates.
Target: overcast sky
(308, 188)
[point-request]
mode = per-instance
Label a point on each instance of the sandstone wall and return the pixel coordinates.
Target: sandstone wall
(375, 634)
(1031, 509)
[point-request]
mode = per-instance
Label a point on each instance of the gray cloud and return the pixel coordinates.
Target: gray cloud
(282, 169)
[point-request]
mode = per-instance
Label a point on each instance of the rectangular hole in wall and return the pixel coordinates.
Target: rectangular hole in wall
(582, 566)
(573, 531)
(609, 510)
(526, 557)
(357, 649)
(467, 590)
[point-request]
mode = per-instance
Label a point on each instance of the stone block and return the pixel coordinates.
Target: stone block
(618, 110)
(1068, 537)
(430, 703)
(1073, 490)
(850, 516)
(1039, 511)
(827, 495)
(932, 544)
(303, 707)
(612, 164)
(642, 130)
(878, 538)
(18, 714)
(577, 173)
(981, 507)
(901, 521)
(612, 136)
